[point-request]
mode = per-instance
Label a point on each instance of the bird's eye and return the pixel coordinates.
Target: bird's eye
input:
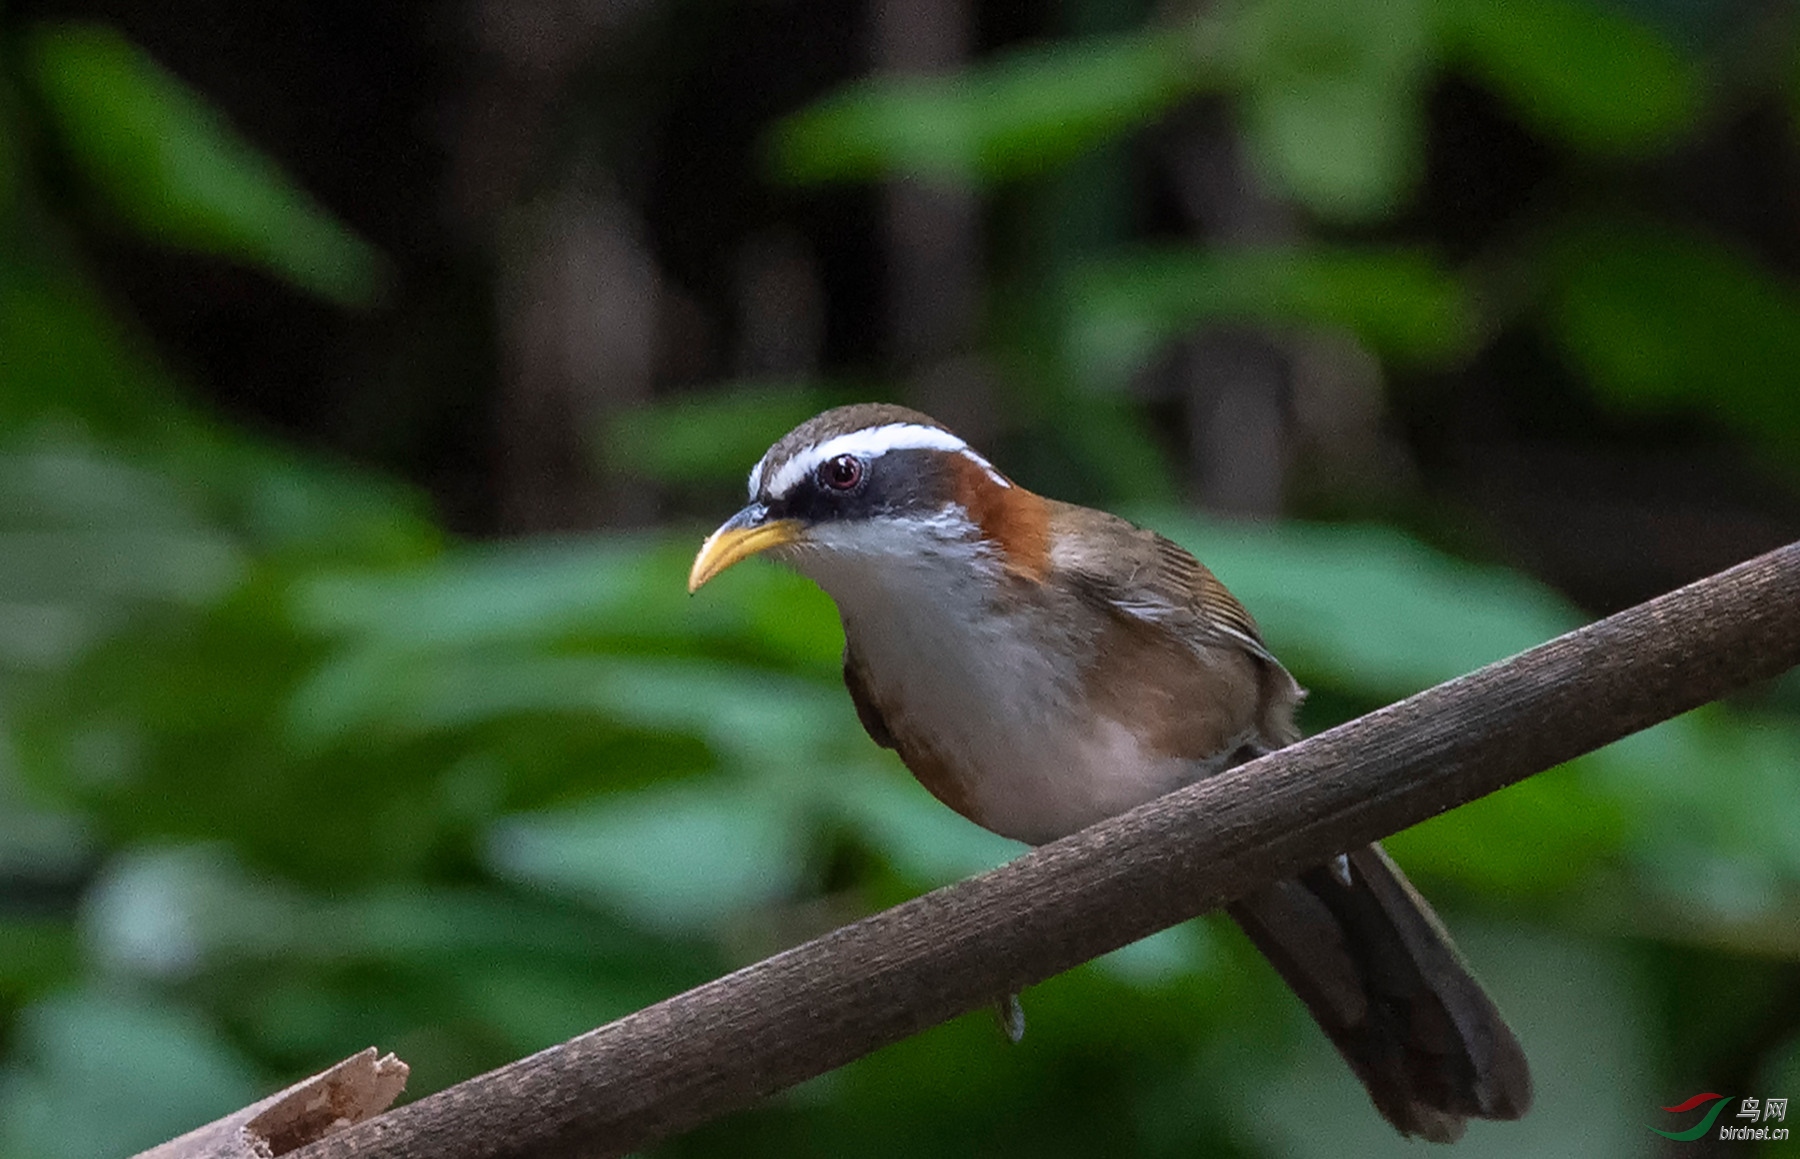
(842, 473)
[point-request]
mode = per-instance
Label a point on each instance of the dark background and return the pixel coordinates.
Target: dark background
(368, 374)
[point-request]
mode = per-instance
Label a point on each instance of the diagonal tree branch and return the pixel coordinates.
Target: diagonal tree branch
(725, 1044)
(312, 1108)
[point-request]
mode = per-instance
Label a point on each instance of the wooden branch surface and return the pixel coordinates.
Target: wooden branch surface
(800, 1013)
(349, 1092)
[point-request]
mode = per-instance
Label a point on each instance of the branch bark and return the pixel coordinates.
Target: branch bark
(309, 1110)
(723, 1045)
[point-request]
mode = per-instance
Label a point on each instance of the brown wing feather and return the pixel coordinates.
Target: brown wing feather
(1218, 680)
(1191, 583)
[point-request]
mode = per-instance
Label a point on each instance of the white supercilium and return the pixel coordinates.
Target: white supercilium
(867, 444)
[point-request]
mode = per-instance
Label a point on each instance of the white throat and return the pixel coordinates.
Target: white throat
(908, 588)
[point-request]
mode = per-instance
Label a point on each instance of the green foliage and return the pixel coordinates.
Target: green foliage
(632, 777)
(170, 168)
(104, 1073)
(711, 437)
(1332, 98)
(1664, 320)
(1330, 89)
(68, 360)
(1370, 609)
(1584, 72)
(1403, 305)
(1027, 113)
(299, 772)
(685, 858)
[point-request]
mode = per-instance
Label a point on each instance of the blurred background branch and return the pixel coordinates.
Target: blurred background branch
(367, 373)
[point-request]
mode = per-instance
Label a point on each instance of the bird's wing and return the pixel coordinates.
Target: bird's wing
(1139, 576)
(1189, 586)
(1142, 575)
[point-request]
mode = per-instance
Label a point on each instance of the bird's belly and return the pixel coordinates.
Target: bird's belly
(991, 714)
(1048, 784)
(1014, 756)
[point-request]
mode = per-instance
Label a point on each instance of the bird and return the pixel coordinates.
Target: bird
(1040, 666)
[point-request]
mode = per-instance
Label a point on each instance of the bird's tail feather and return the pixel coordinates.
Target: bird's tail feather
(1378, 972)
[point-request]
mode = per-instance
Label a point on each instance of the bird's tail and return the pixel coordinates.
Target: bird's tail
(1371, 961)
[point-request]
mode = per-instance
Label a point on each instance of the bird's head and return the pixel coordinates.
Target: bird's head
(871, 487)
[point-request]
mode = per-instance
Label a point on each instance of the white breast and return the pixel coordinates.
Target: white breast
(1000, 700)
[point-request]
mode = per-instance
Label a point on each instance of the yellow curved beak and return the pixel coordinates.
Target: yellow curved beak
(742, 536)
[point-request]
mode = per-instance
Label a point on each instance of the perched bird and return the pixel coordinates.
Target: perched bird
(1041, 666)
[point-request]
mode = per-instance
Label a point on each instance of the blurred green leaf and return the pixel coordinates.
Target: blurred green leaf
(110, 562)
(170, 727)
(536, 1004)
(1715, 810)
(1369, 608)
(1081, 420)
(69, 362)
(36, 842)
(37, 955)
(1332, 91)
(706, 439)
(548, 593)
(1346, 150)
(102, 1074)
(679, 858)
(172, 168)
(162, 912)
(928, 843)
(1024, 113)
(537, 591)
(305, 514)
(1404, 305)
(1165, 957)
(86, 411)
(312, 977)
(1579, 69)
(1660, 319)
(1541, 838)
(737, 710)
(47, 486)
(86, 541)
(10, 169)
